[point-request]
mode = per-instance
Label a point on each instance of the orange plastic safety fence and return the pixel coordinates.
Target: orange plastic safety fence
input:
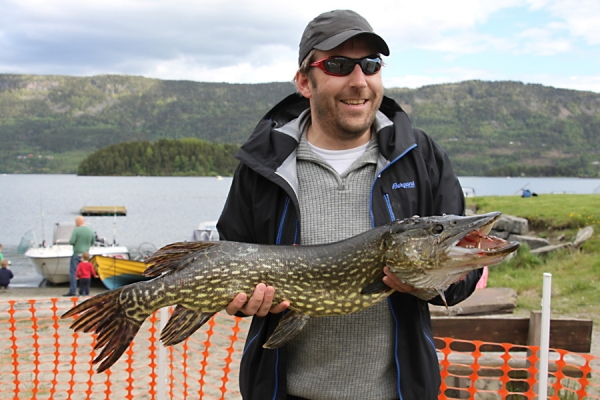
(475, 369)
(208, 364)
(42, 358)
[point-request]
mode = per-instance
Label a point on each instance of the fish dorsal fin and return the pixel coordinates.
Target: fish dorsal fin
(376, 286)
(289, 326)
(182, 324)
(168, 258)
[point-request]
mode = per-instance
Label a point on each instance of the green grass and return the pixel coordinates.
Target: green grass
(575, 273)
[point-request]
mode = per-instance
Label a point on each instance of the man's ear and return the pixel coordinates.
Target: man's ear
(303, 84)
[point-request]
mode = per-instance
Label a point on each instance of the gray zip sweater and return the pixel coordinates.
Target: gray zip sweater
(349, 356)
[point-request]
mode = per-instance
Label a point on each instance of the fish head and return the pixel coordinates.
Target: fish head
(446, 245)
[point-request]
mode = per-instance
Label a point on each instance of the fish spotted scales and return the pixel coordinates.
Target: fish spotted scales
(202, 278)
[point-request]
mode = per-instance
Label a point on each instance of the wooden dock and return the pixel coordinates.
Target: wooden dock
(477, 318)
(99, 211)
(485, 301)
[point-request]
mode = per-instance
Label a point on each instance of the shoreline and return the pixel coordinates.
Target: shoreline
(18, 293)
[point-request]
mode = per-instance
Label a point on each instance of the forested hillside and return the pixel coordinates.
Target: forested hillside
(50, 124)
(183, 157)
(508, 128)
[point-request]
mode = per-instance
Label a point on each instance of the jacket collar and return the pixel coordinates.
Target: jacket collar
(271, 148)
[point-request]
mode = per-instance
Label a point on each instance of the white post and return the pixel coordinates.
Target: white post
(162, 358)
(545, 337)
(115, 227)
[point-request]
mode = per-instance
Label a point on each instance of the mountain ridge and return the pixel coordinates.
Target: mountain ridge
(50, 123)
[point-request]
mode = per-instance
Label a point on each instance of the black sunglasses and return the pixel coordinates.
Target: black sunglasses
(342, 66)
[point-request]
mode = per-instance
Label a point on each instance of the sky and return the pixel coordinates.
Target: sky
(549, 42)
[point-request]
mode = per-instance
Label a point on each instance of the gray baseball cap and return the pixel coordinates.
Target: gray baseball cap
(332, 28)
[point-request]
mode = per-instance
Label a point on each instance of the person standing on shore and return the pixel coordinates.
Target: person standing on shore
(5, 274)
(328, 162)
(81, 239)
(84, 273)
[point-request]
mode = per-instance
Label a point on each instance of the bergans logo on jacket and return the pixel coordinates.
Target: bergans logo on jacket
(404, 185)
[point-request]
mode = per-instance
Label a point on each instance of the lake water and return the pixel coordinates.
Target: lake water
(162, 210)
(484, 186)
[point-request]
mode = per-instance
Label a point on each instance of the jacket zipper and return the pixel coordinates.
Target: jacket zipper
(282, 222)
(388, 203)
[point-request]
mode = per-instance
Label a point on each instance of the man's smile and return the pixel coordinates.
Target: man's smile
(357, 102)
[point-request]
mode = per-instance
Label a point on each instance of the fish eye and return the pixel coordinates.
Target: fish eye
(437, 229)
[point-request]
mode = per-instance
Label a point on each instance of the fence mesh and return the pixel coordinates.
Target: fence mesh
(42, 358)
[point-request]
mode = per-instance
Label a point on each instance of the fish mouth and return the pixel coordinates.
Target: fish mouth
(478, 247)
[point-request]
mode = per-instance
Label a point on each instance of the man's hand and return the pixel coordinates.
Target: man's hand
(259, 303)
(392, 281)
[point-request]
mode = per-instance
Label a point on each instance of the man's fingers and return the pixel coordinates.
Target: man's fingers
(267, 301)
(236, 304)
(260, 303)
(395, 283)
(281, 307)
(255, 301)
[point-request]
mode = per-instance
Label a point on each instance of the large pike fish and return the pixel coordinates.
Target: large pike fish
(201, 278)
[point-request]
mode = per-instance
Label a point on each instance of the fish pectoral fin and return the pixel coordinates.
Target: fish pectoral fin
(443, 296)
(289, 326)
(376, 287)
(428, 294)
(169, 257)
(182, 324)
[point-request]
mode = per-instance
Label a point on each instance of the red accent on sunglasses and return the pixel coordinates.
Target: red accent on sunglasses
(369, 65)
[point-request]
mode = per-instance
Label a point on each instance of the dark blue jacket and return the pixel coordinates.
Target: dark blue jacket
(415, 178)
(5, 276)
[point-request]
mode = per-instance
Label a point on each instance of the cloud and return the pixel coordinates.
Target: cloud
(580, 16)
(545, 41)
(439, 75)
(109, 31)
(131, 33)
(257, 41)
(279, 68)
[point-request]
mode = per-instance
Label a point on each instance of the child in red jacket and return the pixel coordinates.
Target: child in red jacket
(84, 273)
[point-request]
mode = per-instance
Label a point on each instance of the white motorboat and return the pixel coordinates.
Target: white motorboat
(206, 231)
(469, 191)
(52, 262)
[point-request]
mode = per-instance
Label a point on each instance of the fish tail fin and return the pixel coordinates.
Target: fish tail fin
(104, 315)
(182, 324)
(171, 257)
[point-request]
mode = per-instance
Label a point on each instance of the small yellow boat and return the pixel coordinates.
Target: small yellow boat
(117, 272)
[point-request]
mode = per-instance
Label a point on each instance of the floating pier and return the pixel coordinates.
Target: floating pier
(99, 211)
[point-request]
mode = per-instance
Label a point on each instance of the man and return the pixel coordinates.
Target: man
(81, 239)
(320, 167)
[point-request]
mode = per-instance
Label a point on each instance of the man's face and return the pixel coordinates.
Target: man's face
(343, 107)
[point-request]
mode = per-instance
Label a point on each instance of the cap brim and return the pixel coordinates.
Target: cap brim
(336, 40)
